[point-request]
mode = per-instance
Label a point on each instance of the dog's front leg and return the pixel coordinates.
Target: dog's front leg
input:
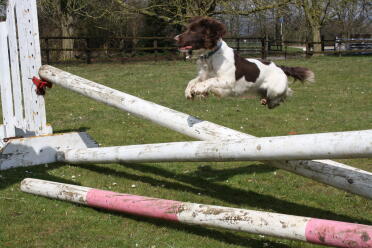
(216, 85)
(201, 89)
(189, 89)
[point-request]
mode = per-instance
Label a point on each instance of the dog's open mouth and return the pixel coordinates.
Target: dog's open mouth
(185, 48)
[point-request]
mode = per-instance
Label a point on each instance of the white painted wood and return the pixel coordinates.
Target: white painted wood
(40, 118)
(30, 62)
(356, 144)
(40, 149)
(5, 83)
(332, 173)
(14, 64)
(2, 136)
(35, 35)
(24, 64)
(55, 190)
(258, 222)
(326, 171)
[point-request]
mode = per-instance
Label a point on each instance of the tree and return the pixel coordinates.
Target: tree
(179, 11)
(172, 11)
(349, 17)
(63, 14)
(2, 10)
(315, 12)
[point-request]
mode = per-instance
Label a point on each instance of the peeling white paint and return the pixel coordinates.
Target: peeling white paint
(258, 222)
(20, 61)
(55, 190)
(355, 144)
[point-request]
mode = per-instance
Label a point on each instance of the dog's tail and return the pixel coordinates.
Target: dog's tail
(299, 73)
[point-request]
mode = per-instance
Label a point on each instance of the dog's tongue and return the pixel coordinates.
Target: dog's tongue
(186, 48)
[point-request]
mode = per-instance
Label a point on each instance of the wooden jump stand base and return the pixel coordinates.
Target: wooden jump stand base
(36, 150)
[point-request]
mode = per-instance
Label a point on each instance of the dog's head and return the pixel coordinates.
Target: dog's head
(201, 33)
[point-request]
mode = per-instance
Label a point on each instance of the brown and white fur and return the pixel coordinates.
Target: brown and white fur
(223, 72)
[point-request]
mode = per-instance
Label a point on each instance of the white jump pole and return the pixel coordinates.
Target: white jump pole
(356, 144)
(326, 171)
(318, 231)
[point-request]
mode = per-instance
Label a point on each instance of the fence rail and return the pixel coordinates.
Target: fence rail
(90, 49)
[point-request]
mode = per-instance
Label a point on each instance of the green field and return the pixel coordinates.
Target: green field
(340, 100)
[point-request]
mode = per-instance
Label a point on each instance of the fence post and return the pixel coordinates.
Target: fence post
(322, 42)
(335, 46)
(134, 46)
(237, 45)
(285, 49)
(339, 43)
(47, 51)
(122, 49)
(155, 42)
(88, 51)
(308, 52)
(264, 50)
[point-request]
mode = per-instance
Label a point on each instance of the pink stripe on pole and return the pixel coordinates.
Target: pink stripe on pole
(133, 204)
(340, 234)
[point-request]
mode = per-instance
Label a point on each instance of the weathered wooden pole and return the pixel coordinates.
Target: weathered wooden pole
(317, 231)
(326, 171)
(355, 144)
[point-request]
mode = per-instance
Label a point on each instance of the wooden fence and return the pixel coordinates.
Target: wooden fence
(90, 49)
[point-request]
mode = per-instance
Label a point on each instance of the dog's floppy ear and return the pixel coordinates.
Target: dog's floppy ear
(195, 19)
(214, 28)
(213, 31)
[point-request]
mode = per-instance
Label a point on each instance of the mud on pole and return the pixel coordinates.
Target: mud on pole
(326, 171)
(318, 231)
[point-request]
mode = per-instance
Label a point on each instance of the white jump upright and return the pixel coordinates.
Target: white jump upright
(23, 110)
(25, 137)
(326, 171)
(317, 231)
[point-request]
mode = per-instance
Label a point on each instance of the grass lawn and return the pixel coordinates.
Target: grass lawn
(340, 100)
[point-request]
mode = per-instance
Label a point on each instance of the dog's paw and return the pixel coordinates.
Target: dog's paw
(200, 90)
(188, 93)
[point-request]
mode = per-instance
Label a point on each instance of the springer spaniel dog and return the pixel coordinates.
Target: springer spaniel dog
(223, 72)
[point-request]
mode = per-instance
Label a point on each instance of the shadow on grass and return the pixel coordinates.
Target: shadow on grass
(16, 175)
(226, 236)
(80, 129)
(213, 175)
(223, 192)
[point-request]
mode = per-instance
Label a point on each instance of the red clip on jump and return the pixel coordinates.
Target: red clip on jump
(41, 85)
